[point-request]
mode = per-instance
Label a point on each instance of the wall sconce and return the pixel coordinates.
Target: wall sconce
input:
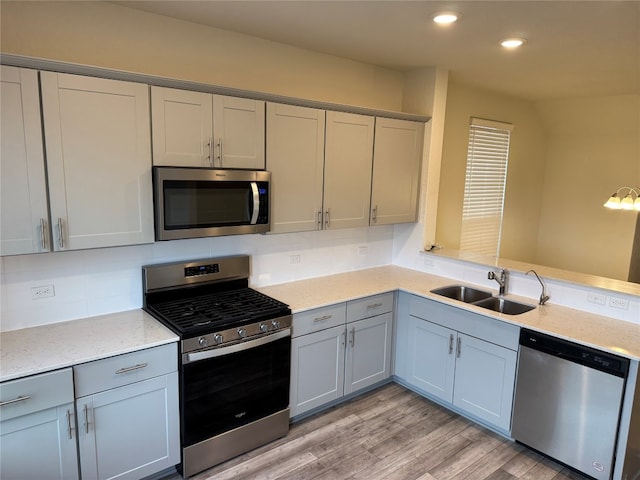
(631, 201)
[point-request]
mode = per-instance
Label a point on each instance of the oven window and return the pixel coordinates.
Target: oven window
(223, 393)
(202, 204)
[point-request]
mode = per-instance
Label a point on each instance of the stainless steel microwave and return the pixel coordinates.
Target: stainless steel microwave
(191, 202)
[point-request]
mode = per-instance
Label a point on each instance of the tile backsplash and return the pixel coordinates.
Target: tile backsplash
(99, 281)
(87, 283)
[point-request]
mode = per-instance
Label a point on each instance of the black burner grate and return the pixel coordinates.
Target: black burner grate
(212, 311)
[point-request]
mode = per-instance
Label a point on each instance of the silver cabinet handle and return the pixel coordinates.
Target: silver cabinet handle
(322, 318)
(352, 340)
(131, 369)
(374, 305)
(344, 337)
(326, 219)
(374, 214)
(69, 424)
(319, 217)
(85, 409)
(459, 348)
(21, 398)
(450, 343)
(219, 147)
(210, 147)
(60, 233)
(43, 238)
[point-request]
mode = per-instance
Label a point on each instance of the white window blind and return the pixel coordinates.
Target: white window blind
(485, 182)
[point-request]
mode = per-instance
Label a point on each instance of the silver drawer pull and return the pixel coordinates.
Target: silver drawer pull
(21, 398)
(374, 305)
(322, 318)
(131, 369)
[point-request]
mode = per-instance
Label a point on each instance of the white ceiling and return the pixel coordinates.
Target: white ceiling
(574, 48)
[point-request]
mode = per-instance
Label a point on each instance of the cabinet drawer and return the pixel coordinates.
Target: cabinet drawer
(319, 319)
(124, 369)
(369, 306)
(32, 394)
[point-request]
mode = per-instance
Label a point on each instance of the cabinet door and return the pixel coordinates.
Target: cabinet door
(238, 132)
(25, 218)
(295, 157)
(347, 170)
(97, 137)
(182, 127)
(368, 358)
(40, 445)
(317, 369)
(485, 377)
(431, 358)
(130, 432)
(396, 171)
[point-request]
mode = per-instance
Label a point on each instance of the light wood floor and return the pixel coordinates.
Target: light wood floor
(391, 434)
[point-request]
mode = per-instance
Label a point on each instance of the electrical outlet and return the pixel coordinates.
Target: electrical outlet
(42, 292)
(621, 303)
(294, 259)
(596, 298)
(363, 250)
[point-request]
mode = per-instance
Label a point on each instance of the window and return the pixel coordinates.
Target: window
(485, 182)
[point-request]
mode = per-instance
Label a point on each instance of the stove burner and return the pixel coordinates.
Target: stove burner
(213, 311)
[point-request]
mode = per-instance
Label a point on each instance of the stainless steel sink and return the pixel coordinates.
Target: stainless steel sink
(462, 293)
(502, 305)
(483, 299)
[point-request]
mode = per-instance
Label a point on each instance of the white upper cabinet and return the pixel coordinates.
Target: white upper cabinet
(347, 170)
(238, 132)
(182, 127)
(97, 138)
(194, 129)
(25, 219)
(396, 171)
(295, 157)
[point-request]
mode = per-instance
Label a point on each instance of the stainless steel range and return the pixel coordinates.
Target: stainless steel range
(235, 354)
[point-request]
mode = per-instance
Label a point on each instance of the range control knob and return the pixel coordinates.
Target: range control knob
(275, 323)
(242, 332)
(263, 328)
(218, 338)
(202, 341)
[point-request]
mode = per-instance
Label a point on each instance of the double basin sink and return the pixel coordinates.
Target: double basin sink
(483, 299)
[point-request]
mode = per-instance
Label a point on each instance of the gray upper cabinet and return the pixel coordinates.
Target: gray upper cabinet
(98, 144)
(347, 170)
(295, 157)
(195, 129)
(25, 216)
(396, 171)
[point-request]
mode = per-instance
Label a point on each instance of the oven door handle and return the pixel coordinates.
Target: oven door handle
(238, 347)
(256, 203)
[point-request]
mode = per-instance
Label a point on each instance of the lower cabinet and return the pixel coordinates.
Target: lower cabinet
(335, 352)
(459, 358)
(128, 424)
(37, 427)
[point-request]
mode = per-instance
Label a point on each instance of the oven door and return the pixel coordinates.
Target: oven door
(226, 388)
(200, 202)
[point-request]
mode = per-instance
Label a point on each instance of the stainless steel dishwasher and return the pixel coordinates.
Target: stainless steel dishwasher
(567, 402)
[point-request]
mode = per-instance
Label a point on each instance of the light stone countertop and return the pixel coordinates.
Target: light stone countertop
(597, 331)
(49, 347)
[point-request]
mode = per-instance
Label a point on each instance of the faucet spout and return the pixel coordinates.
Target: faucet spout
(543, 296)
(502, 280)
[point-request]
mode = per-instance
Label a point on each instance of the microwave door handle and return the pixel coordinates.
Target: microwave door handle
(256, 203)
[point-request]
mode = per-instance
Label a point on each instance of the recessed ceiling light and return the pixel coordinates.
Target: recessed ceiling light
(446, 18)
(513, 42)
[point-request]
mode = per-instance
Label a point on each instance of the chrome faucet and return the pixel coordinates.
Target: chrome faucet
(543, 296)
(502, 281)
